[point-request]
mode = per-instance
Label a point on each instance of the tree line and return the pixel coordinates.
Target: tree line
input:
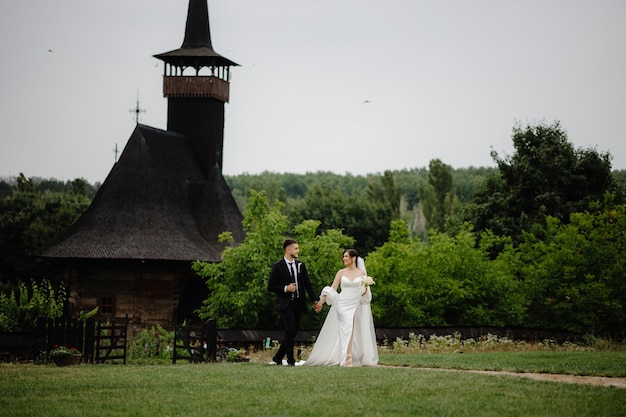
(33, 212)
(538, 240)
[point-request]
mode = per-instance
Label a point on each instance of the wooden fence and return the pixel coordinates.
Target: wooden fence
(73, 333)
(111, 341)
(198, 342)
(97, 342)
(195, 342)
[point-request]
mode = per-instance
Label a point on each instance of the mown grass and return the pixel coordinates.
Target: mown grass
(257, 389)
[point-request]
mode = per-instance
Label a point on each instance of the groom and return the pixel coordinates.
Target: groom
(290, 281)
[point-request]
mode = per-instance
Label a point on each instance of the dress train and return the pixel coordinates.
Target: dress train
(350, 316)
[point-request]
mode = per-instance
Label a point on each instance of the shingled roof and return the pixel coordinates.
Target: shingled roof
(154, 205)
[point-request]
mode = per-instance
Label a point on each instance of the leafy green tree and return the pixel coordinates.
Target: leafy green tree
(238, 284)
(76, 186)
(445, 281)
(387, 194)
(467, 181)
(5, 190)
(288, 187)
(575, 273)
(408, 182)
(324, 203)
(620, 178)
(438, 196)
(375, 198)
(395, 294)
(545, 176)
(30, 219)
(364, 215)
(238, 296)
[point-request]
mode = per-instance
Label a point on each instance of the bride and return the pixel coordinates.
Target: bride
(347, 337)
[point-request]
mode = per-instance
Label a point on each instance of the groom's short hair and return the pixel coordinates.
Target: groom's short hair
(288, 242)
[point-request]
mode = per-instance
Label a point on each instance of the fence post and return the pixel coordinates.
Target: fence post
(211, 336)
(90, 339)
(74, 330)
(125, 337)
(41, 335)
(174, 353)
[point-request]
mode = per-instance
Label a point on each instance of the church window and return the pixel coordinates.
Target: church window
(106, 306)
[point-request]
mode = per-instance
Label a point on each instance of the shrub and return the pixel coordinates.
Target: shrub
(488, 343)
(152, 344)
(20, 308)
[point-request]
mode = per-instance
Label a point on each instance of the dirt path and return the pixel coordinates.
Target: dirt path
(570, 379)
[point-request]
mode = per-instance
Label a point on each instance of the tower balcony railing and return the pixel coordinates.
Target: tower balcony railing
(196, 87)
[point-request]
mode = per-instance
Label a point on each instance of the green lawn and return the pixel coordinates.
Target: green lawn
(257, 389)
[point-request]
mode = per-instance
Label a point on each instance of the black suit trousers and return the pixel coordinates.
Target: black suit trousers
(291, 322)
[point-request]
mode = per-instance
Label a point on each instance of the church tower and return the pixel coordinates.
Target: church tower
(196, 82)
(163, 205)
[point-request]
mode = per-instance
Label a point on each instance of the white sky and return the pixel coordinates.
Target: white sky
(445, 79)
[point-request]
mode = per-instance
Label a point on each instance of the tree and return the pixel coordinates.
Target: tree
(448, 280)
(387, 194)
(5, 190)
(364, 215)
(374, 198)
(575, 273)
(30, 218)
(438, 196)
(238, 295)
(546, 176)
(620, 178)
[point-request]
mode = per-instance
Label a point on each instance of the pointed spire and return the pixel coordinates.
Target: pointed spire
(197, 31)
(196, 49)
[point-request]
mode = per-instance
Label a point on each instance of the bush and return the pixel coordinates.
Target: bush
(154, 343)
(20, 308)
(488, 343)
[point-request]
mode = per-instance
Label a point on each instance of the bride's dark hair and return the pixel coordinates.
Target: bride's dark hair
(352, 253)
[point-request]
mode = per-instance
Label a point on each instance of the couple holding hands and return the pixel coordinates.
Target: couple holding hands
(347, 337)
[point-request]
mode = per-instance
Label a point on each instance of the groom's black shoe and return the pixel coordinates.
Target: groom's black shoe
(277, 361)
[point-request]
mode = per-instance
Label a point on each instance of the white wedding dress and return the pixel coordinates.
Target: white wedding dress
(349, 316)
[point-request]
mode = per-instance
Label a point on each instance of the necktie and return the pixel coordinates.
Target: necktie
(293, 275)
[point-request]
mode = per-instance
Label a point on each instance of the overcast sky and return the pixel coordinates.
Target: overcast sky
(348, 86)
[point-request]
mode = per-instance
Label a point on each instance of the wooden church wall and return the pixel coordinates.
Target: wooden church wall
(150, 294)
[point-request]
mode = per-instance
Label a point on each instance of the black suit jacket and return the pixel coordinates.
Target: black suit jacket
(280, 277)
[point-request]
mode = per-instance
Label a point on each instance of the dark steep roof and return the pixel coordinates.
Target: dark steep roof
(154, 205)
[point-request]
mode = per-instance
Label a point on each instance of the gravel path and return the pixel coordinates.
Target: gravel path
(602, 381)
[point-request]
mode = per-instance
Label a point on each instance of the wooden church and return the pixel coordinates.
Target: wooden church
(163, 204)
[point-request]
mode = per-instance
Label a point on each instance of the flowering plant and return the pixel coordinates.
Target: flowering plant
(367, 281)
(229, 354)
(60, 351)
